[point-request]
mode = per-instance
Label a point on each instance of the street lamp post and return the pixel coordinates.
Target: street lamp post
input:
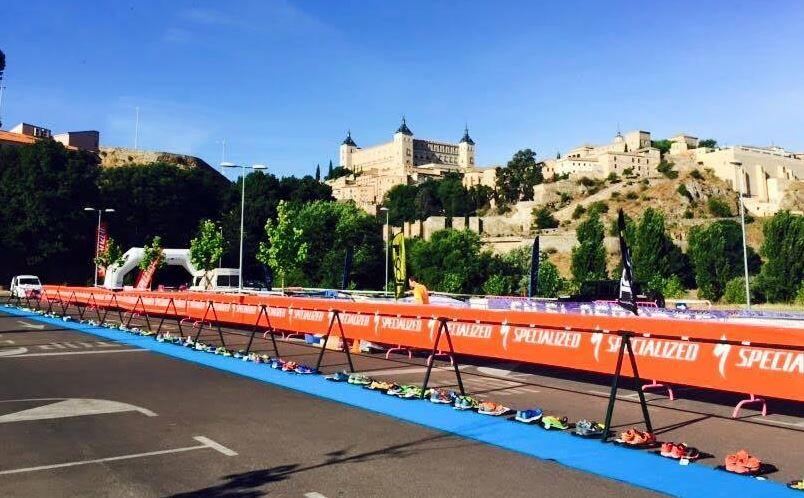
(97, 235)
(242, 210)
(739, 166)
(387, 245)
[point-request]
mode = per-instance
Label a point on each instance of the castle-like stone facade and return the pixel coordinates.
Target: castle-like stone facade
(403, 160)
(632, 152)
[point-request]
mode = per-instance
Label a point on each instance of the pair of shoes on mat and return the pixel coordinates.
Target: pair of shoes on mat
(553, 422)
(588, 428)
(289, 366)
(406, 391)
(304, 369)
(492, 408)
(797, 485)
(338, 376)
(442, 396)
(359, 379)
(276, 363)
(742, 463)
(634, 437)
(465, 403)
(379, 385)
(528, 416)
(678, 451)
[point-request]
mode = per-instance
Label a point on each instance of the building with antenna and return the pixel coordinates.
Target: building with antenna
(403, 160)
(632, 151)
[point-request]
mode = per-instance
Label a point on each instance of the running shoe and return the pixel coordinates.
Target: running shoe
(588, 428)
(528, 416)
(379, 385)
(304, 369)
(678, 451)
(553, 422)
(338, 376)
(220, 350)
(634, 437)
(797, 485)
(465, 403)
(359, 379)
(409, 391)
(289, 366)
(442, 396)
(394, 390)
(492, 408)
(189, 342)
(276, 363)
(742, 463)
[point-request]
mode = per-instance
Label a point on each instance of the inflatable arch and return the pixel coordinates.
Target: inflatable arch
(132, 257)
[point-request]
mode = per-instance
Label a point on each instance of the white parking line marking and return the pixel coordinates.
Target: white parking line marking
(72, 407)
(121, 457)
(65, 353)
(31, 325)
(215, 446)
(14, 352)
(313, 494)
(8, 341)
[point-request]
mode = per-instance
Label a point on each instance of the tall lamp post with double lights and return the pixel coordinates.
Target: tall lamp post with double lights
(243, 168)
(97, 235)
(739, 167)
(387, 245)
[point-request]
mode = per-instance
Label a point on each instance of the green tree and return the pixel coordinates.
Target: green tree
(783, 248)
(709, 143)
(206, 248)
(318, 172)
(453, 196)
(401, 203)
(480, 198)
(589, 256)
(284, 249)
(111, 255)
(451, 261)
(515, 182)
(2, 69)
(654, 254)
(337, 172)
(716, 253)
(328, 228)
(662, 145)
(543, 218)
(44, 188)
(153, 252)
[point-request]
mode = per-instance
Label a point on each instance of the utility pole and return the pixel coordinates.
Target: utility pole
(137, 129)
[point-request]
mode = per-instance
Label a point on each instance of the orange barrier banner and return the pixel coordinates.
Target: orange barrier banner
(737, 357)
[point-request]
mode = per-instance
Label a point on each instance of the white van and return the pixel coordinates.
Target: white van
(25, 284)
(218, 280)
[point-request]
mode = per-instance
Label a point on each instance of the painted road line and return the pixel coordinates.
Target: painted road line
(72, 407)
(410, 370)
(31, 325)
(215, 446)
(621, 464)
(203, 446)
(67, 353)
(314, 494)
(12, 352)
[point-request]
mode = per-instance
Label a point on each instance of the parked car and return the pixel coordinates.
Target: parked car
(23, 286)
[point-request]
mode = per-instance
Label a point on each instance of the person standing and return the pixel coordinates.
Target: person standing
(420, 294)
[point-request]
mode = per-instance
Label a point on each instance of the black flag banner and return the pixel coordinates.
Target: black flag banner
(626, 297)
(533, 283)
(347, 267)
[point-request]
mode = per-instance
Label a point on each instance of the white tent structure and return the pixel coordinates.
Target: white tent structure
(132, 257)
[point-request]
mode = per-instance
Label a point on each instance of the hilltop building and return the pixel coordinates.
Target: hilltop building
(25, 133)
(403, 160)
(767, 174)
(632, 151)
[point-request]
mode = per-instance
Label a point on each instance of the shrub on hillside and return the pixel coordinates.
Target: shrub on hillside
(718, 208)
(631, 195)
(579, 211)
(666, 168)
(696, 174)
(543, 218)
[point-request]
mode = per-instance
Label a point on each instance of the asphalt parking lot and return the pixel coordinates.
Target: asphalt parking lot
(83, 417)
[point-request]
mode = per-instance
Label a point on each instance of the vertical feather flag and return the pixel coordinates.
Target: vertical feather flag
(626, 297)
(400, 269)
(533, 283)
(347, 267)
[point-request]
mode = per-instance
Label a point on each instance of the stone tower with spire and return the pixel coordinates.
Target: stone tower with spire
(347, 147)
(466, 151)
(403, 148)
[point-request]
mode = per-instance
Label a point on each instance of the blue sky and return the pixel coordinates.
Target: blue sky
(282, 81)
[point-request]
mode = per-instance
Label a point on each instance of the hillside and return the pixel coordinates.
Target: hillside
(112, 157)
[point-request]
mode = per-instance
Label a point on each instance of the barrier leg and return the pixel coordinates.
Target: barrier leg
(452, 359)
(641, 394)
(751, 399)
(263, 311)
(399, 348)
(344, 347)
(175, 315)
(658, 385)
(442, 329)
(613, 396)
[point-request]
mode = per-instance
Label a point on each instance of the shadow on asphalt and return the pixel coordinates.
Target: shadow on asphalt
(247, 484)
